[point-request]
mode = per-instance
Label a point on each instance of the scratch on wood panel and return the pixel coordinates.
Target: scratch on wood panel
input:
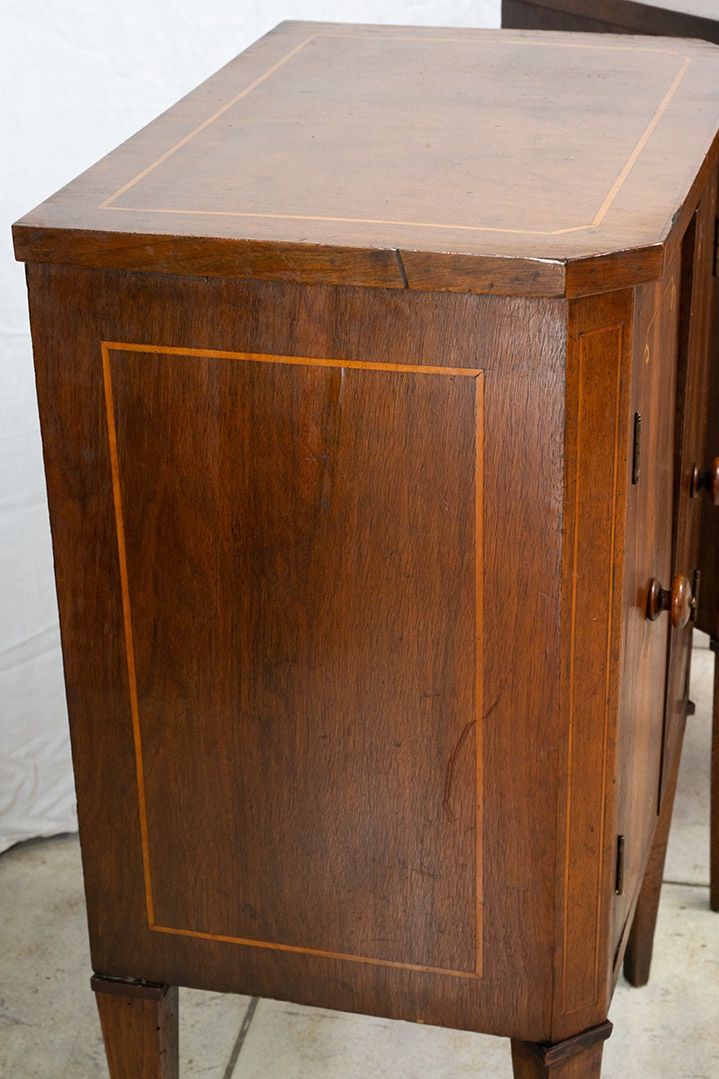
(446, 800)
(446, 804)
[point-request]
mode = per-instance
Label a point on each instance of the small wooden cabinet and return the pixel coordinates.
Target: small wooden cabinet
(358, 374)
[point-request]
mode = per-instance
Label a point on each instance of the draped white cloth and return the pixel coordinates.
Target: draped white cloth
(77, 78)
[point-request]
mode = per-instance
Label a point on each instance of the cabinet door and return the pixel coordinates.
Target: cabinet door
(668, 405)
(648, 555)
(708, 610)
(695, 307)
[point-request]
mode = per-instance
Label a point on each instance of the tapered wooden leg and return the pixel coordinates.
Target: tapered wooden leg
(638, 956)
(140, 1028)
(714, 828)
(579, 1057)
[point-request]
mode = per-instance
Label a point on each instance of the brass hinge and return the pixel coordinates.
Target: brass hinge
(619, 879)
(637, 446)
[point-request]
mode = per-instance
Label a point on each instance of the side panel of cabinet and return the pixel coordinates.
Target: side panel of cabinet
(308, 547)
(597, 435)
(300, 553)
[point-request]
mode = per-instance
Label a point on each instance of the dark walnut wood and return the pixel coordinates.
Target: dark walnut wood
(355, 514)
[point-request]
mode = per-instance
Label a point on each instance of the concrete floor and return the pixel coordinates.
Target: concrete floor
(49, 1029)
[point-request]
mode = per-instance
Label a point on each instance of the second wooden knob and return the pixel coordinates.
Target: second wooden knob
(679, 601)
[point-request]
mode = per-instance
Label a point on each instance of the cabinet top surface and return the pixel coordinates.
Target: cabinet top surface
(350, 141)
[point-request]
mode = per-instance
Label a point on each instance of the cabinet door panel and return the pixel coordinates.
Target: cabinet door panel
(648, 554)
(692, 398)
(708, 612)
(299, 547)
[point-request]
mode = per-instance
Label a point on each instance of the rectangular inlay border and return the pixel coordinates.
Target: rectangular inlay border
(109, 202)
(106, 348)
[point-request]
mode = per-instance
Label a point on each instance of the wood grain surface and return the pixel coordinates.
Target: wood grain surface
(254, 174)
(598, 381)
(279, 806)
(256, 473)
(140, 1030)
(278, 486)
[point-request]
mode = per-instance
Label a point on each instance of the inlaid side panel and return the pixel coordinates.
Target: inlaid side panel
(320, 700)
(300, 542)
(600, 337)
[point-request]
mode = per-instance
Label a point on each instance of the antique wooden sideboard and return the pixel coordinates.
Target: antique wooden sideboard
(691, 19)
(362, 374)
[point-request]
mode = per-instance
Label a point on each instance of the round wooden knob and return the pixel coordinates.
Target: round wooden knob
(679, 601)
(707, 481)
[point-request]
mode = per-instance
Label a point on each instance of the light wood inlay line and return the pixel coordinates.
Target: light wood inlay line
(127, 619)
(303, 361)
(201, 127)
(110, 202)
(608, 654)
(106, 348)
(479, 670)
(506, 40)
(321, 953)
(649, 131)
(571, 680)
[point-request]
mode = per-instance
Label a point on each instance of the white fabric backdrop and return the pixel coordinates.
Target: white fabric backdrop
(77, 78)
